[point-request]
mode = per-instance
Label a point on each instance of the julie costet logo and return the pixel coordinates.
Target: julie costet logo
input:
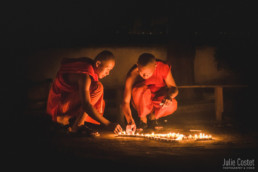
(238, 164)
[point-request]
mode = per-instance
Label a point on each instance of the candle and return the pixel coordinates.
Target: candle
(169, 137)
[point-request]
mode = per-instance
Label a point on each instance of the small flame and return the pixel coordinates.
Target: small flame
(180, 137)
(168, 136)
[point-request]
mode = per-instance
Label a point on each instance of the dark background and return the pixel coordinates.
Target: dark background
(59, 24)
(32, 26)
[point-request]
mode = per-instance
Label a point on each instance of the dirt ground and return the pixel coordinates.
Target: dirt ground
(35, 145)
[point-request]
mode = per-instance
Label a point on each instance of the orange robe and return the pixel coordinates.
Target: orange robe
(64, 99)
(148, 94)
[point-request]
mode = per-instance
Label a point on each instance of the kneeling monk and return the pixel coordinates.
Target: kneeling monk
(152, 89)
(77, 93)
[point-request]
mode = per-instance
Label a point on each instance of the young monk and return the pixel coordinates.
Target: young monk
(77, 93)
(152, 89)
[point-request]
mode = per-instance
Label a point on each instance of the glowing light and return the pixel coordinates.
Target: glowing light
(168, 137)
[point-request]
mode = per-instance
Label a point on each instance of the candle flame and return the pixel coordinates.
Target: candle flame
(169, 136)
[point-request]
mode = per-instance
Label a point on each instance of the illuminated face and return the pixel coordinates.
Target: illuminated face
(146, 71)
(103, 68)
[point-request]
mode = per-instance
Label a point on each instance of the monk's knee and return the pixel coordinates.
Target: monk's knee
(139, 90)
(174, 104)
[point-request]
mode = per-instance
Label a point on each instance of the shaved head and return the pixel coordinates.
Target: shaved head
(146, 59)
(105, 56)
(146, 65)
(104, 63)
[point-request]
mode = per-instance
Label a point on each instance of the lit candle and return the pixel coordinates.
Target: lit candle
(196, 136)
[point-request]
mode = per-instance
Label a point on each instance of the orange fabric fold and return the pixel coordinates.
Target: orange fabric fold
(63, 98)
(146, 97)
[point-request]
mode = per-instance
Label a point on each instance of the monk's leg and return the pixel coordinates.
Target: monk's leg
(163, 111)
(97, 100)
(68, 108)
(71, 106)
(79, 120)
(141, 99)
(97, 96)
(152, 116)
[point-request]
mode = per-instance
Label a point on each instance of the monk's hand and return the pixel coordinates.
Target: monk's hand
(130, 128)
(116, 128)
(167, 101)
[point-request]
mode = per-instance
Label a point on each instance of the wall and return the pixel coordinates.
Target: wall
(45, 64)
(206, 67)
(200, 67)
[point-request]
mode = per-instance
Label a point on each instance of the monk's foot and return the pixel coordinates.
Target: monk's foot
(59, 129)
(141, 126)
(84, 131)
(153, 124)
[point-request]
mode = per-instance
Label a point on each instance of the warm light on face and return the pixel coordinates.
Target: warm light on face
(104, 68)
(146, 71)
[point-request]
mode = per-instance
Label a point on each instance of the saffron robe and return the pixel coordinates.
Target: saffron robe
(147, 95)
(64, 98)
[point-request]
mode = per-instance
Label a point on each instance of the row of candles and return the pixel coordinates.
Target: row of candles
(172, 137)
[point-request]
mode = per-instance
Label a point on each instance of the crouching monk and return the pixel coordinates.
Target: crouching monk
(152, 89)
(77, 93)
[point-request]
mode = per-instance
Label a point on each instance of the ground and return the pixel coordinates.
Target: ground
(36, 145)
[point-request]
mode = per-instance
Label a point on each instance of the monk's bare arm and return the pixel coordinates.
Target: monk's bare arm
(172, 88)
(127, 96)
(84, 83)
